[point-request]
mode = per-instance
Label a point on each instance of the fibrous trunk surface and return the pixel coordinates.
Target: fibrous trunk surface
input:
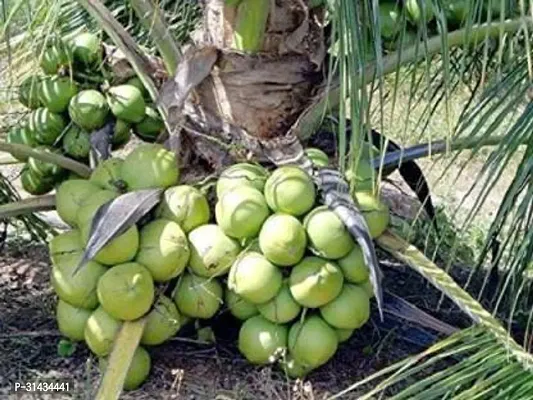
(261, 91)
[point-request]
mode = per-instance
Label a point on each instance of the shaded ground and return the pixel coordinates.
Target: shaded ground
(29, 338)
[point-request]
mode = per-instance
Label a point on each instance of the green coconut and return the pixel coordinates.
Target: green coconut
(119, 250)
(69, 197)
(126, 103)
(63, 246)
(55, 57)
(100, 332)
(126, 291)
(261, 341)
(239, 307)
(313, 342)
(150, 166)
(290, 190)
(241, 211)
(389, 19)
(150, 126)
(353, 266)
(163, 322)
(87, 49)
(29, 91)
(21, 134)
(317, 157)
(254, 278)
(349, 310)
(107, 175)
(88, 109)
(242, 174)
(364, 177)
(46, 125)
(293, 368)
(282, 239)
(369, 289)
(35, 184)
(77, 289)
(138, 370)
(56, 92)
(212, 251)
(315, 281)
(45, 169)
(121, 134)
(282, 308)
(376, 212)
(136, 81)
(198, 297)
(344, 334)
(327, 234)
(457, 11)
(163, 249)
(77, 142)
(88, 206)
(71, 320)
(419, 11)
(494, 8)
(185, 205)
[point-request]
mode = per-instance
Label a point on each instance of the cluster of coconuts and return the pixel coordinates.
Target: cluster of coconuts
(70, 100)
(121, 282)
(277, 261)
(419, 12)
(300, 285)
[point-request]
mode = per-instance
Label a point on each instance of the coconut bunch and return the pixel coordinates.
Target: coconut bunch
(300, 284)
(127, 278)
(283, 265)
(72, 98)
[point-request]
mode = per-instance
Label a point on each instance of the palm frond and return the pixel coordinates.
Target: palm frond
(469, 364)
(488, 53)
(409, 254)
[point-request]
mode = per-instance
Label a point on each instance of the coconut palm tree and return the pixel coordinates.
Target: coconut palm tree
(241, 79)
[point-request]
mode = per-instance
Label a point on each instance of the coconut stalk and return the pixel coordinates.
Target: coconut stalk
(81, 169)
(28, 206)
(126, 342)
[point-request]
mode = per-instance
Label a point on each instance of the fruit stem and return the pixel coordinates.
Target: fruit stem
(120, 359)
(28, 206)
(81, 169)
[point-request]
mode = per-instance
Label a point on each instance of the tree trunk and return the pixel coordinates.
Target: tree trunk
(261, 91)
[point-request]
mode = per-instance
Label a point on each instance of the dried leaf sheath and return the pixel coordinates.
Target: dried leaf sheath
(115, 217)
